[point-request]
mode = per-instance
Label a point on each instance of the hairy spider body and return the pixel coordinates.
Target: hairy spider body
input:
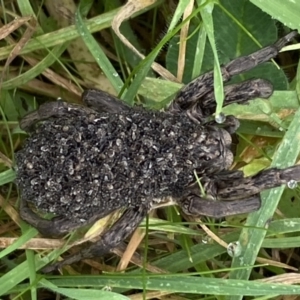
(84, 162)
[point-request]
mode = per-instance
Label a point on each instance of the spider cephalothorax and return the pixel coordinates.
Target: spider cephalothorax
(83, 162)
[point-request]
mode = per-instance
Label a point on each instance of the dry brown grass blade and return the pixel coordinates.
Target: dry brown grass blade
(5, 160)
(34, 244)
(274, 263)
(135, 240)
(125, 13)
(209, 233)
(10, 210)
(56, 78)
(31, 26)
(288, 278)
(7, 29)
(101, 225)
(183, 41)
(49, 90)
(84, 62)
(151, 295)
(136, 259)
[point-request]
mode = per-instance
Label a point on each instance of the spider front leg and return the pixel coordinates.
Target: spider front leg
(51, 109)
(101, 101)
(128, 222)
(236, 93)
(247, 186)
(195, 91)
(94, 99)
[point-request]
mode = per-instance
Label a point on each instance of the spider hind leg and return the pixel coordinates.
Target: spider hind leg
(123, 227)
(232, 193)
(197, 206)
(52, 228)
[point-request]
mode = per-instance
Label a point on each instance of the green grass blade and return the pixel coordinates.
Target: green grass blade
(36, 70)
(7, 176)
(66, 34)
(27, 236)
(206, 14)
(287, 12)
(98, 54)
(80, 294)
(181, 284)
(252, 239)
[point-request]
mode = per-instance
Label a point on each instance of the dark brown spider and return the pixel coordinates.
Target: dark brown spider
(82, 163)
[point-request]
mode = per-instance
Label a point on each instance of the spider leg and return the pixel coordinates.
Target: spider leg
(57, 226)
(247, 186)
(128, 222)
(232, 193)
(197, 206)
(236, 93)
(195, 90)
(54, 228)
(94, 99)
(51, 109)
(232, 185)
(101, 101)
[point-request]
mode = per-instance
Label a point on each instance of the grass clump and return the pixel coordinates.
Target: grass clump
(50, 51)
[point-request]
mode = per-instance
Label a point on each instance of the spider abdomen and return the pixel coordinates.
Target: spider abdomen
(82, 162)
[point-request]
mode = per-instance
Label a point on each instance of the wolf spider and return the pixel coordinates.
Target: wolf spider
(84, 162)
